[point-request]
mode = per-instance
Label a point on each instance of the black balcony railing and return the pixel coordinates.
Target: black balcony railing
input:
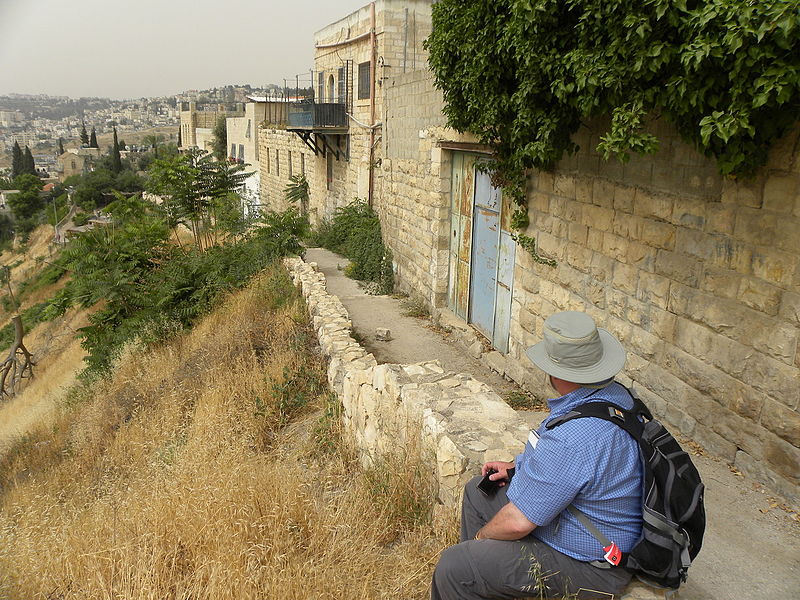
(309, 114)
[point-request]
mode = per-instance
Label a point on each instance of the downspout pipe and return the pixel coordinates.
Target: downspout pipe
(373, 62)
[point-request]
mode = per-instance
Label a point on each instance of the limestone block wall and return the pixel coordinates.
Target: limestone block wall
(460, 420)
(699, 277)
(413, 203)
(281, 155)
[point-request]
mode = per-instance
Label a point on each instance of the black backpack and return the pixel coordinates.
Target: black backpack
(673, 514)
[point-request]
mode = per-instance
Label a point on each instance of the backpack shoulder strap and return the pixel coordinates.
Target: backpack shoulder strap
(608, 411)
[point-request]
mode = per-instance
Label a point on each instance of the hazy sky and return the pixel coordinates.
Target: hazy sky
(135, 48)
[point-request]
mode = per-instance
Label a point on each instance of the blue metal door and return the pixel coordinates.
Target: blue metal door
(485, 245)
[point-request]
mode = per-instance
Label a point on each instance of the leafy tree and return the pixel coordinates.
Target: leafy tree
(93, 189)
(16, 160)
(93, 139)
(84, 135)
(153, 140)
(27, 203)
(116, 160)
(191, 183)
(523, 75)
(298, 191)
(219, 140)
(122, 145)
(127, 181)
(6, 183)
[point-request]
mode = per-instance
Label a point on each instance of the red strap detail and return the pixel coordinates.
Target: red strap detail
(613, 554)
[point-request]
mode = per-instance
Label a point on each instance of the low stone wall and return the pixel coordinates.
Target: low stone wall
(460, 419)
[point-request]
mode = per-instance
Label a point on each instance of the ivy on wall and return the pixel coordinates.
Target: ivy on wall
(523, 74)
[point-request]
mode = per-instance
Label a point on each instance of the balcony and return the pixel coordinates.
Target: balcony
(327, 117)
(322, 126)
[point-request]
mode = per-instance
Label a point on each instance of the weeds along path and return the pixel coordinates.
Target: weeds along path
(212, 467)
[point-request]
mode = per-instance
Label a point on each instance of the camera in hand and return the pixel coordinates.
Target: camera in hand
(487, 486)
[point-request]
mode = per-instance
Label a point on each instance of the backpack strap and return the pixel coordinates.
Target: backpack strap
(608, 411)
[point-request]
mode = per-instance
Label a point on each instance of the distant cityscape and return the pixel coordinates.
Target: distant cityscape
(38, 121)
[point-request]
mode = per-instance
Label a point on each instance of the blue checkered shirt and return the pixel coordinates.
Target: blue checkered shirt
(588, 462)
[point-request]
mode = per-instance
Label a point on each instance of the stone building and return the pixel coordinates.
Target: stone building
(698, 275)
(334, 138)
(197, 122)
(242, 134)
(76, 161)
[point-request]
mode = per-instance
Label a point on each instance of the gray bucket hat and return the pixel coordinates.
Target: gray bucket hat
(575, 349)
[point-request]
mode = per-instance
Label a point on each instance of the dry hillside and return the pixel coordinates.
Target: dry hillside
(212, 467)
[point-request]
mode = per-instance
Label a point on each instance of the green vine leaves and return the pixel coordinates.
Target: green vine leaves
(523, 74)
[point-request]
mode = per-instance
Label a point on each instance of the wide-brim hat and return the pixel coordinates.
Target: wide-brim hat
(574, 349)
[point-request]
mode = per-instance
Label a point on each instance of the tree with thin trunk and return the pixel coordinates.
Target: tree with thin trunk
(19, 363)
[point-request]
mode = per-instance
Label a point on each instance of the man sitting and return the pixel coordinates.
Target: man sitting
(523, 541)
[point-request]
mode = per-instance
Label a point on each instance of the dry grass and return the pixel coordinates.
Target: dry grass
(59, 357)
(170, 480)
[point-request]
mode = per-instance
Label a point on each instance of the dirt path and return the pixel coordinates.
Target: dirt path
(413, 339)
(751, 548)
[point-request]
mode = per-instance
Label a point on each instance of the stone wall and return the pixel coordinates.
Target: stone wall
(281, 154)
(413, 203)
(460, 420)
(699, 277)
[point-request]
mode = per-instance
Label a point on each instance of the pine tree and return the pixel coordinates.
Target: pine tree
(28, 164)
(84, 135)
(16, 160)
(123, 145)
(116, 160)
(93, 140)
(60, 146)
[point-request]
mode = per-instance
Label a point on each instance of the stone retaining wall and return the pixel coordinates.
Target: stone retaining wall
(461, 420)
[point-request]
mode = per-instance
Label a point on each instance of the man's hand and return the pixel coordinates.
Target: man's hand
(502, 471)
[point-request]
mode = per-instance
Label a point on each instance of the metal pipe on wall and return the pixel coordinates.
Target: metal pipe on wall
(373, 60)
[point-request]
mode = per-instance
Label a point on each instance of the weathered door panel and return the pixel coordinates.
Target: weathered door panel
(505, 281)
(481, 258)
(485, 238)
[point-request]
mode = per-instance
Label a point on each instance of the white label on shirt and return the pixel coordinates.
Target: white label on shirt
(533, 438)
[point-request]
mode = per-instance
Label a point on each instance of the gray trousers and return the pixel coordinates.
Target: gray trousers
(526, 568)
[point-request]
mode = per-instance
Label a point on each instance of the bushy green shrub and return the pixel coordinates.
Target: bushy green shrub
(355, 232)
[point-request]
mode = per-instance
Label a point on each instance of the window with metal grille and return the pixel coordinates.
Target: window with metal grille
(321, 82)
(363, 80)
